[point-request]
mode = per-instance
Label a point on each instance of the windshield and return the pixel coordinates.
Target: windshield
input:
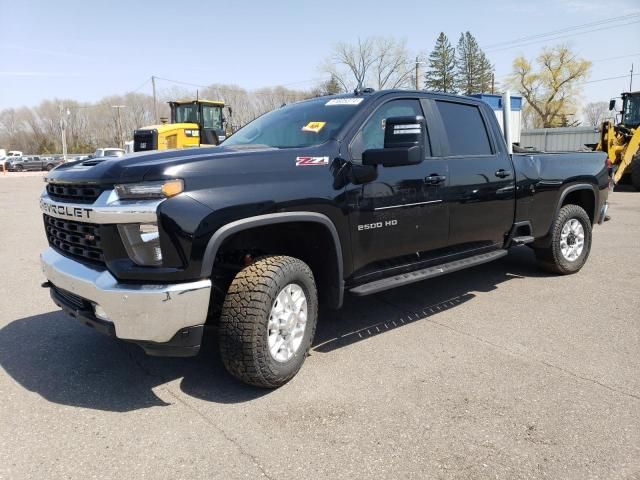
(187, 113)
(631, 117)
(298, 125)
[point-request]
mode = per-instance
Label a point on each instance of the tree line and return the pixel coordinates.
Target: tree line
(38, 129)
(550, 85)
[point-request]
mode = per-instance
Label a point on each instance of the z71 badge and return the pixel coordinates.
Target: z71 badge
(311, 161)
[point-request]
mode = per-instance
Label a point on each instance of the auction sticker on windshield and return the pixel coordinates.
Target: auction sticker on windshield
(314, 127)
(311, 161)
(344, 101)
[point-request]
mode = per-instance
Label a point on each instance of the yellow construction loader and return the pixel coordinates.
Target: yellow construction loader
(193, 123)
(621, 140)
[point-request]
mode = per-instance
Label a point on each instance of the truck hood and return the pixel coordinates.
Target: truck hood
(155, 165)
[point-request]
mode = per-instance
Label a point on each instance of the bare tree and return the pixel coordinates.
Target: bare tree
(377, 62)
(594, 113)
(89, 126)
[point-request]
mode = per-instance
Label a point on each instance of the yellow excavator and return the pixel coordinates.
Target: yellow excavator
(621, 140)
(194, 123)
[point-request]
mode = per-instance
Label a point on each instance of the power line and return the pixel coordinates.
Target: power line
(559, 37)
(103, 104)
(228, 89)
(562, 30)
(511, 47)
(616, 58)
(604, 79)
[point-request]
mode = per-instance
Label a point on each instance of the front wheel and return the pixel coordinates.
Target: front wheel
(570, 242)
(18, 168)
(268, 321)
(49, 167)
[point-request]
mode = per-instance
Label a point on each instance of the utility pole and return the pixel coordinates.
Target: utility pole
(120, 139)
(418, 63)
(493, 83)
(63, 126)
(631, 79)
(155, 100)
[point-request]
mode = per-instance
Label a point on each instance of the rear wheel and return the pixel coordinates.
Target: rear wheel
(49, 167)
(268, 321)
(635, 171)
(570, 242)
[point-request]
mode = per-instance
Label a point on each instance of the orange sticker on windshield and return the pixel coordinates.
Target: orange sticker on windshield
(314, 127)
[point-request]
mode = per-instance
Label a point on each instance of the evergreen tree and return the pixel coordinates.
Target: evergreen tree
(473, 68)
(331, 86)
(486, 77)
(441, 75)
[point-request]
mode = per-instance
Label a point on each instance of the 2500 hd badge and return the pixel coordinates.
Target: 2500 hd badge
(65, 210)
(372, 226)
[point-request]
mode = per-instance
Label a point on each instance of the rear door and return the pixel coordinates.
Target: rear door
(401, 212)
(481, 190)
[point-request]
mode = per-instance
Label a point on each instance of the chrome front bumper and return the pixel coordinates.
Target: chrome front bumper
(151, 313)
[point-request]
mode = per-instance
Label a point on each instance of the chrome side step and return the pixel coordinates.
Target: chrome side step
(523, 240)
(430, 272)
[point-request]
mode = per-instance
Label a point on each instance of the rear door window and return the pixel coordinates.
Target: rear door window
(465, 129)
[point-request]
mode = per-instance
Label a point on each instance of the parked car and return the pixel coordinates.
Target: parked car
(31, 163)
(355, 193)
(108, 152)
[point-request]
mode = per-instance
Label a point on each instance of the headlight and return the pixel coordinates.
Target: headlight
(192, 133)
(164, 189)
(142, 243)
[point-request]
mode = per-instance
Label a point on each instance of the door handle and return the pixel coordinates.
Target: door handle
(502, 173)
(435, 179)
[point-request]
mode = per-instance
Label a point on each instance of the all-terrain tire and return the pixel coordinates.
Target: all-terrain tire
(244, 331)
(551, 258)
(49, 167)
(18, 168)
(635, 171)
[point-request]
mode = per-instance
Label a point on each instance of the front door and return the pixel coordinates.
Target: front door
(32, 163)
(402, 212)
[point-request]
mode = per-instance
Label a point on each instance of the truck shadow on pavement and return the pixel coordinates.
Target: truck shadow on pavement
(67, 363)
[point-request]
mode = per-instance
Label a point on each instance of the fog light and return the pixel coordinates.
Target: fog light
(142, 243)
(99, 312)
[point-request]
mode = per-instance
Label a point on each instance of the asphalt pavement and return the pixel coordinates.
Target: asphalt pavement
(500, 371)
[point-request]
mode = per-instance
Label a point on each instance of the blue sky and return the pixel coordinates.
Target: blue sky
(86, 50)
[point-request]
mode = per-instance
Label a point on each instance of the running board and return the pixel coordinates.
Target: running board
(419, 275)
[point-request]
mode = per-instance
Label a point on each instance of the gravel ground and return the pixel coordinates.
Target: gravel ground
(500, 371)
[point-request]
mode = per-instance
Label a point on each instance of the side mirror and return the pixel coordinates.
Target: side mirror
(403, 143)
(612, 104)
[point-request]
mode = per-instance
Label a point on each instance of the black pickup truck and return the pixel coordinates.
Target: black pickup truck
(353, 193)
